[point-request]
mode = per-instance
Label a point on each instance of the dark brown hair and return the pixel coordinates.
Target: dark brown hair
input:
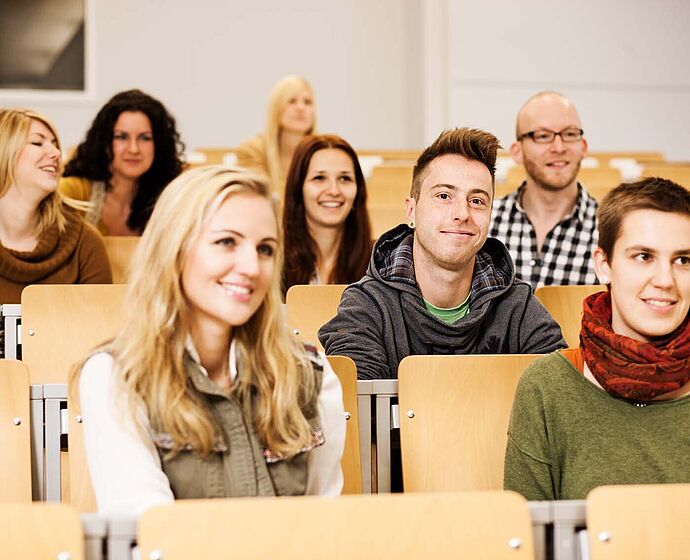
(94, 155)
(300, 249)
(470, 143)
(653, 193)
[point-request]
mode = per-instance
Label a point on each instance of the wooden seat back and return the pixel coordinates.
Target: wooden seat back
(389, 186)
(351, 463)
(15, 432)
(40, 530)
(487, 525)
(678, 173)
(214, 156)
(604, 158)
(309, 307)
(120, 250)
(61, 324)
(646, 521)
(382, 219)
(81, 495)
(565, 305)
(454, 415)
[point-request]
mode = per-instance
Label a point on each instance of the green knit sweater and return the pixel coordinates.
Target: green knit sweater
(567, 436)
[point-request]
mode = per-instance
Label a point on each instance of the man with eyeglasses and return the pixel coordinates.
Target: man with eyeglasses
(549, 223)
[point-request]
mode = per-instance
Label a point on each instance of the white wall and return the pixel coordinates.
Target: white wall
(625, 64)
(392, 73)
(213, 62)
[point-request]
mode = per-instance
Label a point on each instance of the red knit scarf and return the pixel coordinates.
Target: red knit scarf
(628, 368)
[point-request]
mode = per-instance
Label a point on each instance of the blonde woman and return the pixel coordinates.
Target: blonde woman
(290, 117)
(205, 393)
(42, 241)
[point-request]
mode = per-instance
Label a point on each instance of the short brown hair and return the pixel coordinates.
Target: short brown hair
(470, 143)
(653, 193)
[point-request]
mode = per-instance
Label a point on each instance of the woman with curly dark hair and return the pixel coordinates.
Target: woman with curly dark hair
(131, 152)
(327, 231)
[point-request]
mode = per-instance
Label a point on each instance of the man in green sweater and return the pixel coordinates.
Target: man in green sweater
(616, 410)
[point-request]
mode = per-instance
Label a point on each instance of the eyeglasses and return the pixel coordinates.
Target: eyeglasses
(544, 136)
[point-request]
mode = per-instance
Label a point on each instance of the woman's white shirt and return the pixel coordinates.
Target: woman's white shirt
(125, 467)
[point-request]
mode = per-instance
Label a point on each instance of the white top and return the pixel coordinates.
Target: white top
(125, 468)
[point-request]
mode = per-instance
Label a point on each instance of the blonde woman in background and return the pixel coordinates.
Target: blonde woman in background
(42, 241)
(290, 117)
(206, 393)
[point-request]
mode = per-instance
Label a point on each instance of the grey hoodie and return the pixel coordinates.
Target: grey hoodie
(382, 318)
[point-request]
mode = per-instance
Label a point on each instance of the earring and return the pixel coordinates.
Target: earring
(411, 224)
(604, 279)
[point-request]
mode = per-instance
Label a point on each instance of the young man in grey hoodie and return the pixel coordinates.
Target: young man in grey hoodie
(438, 285)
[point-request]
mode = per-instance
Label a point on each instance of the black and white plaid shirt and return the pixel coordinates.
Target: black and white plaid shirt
(566, 254)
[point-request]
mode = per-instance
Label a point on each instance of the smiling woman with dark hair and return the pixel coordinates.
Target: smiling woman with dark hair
(327, 231)
(131, 152)
(616, 410)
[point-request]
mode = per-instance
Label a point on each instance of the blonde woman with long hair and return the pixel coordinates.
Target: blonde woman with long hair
(290, 117)
(42, 239)
(205, 393)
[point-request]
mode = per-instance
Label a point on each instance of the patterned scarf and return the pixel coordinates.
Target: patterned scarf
(628, 368)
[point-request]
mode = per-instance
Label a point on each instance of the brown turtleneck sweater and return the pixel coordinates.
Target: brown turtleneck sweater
(76, 257)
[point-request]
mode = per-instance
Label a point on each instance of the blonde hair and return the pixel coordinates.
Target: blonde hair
(149, 354)
(278, 99)
(15, 125)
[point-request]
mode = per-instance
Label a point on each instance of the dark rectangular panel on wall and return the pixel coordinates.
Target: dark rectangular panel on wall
(42, 44)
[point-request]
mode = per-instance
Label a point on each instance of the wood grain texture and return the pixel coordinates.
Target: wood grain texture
(351, 463)
(67, 322)
(40, 530)
(384, 218)
(15, 468)
(79, 488)
(404, 526)
(565, 305)
(648, 521)
(120, 250)
(679, 173)
(309, 307)
(461, 405)
(389, 186)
